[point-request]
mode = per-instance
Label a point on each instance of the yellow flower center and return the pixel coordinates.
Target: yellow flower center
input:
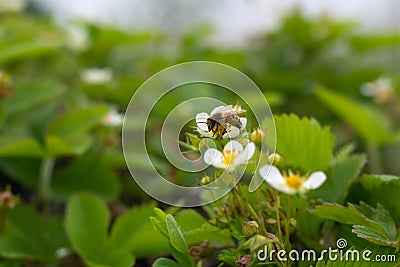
(229, 156)
(294, 181)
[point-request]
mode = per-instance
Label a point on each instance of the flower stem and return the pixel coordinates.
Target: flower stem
(46, 172)
(238, 203)
(278, 219)
(374, 160)
(287, 224)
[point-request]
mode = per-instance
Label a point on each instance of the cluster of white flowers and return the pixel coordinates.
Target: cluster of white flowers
(234, 154)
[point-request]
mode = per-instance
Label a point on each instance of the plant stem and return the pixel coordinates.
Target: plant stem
(239, 204)
(2, 219)
(278, 220)
(287, 224)
(373, 157)
(46, 172)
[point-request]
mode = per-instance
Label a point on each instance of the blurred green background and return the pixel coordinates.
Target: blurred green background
(64, 90)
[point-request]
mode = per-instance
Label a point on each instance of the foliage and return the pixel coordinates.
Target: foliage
(72, 201)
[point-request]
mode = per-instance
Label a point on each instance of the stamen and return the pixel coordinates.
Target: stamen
(294, 181)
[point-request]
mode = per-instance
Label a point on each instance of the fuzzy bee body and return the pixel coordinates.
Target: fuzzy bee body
(222, 119)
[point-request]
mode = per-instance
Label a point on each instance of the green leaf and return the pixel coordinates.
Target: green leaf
(178, 246)
(343, 172)
(375, 189)
(10, 263)
(133, 231)
(22, 235)
(22, 170)
(368, 223)
(58, 147)
(28, 96)
(26, 50)
(77, 121)
(164, 262)
(175, 235)
(196, 229)
(372, 181)
(364, 119)
(230, 256)
(160, 214)
(16, 147)
(26, 235)
(159, 226)
(302, 142)
(118, 258)
(87, 220)
(87, 174)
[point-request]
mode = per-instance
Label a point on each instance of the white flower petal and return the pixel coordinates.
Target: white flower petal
(274, 178)
(201, 121)
(286, 189)
(231, 132)
(270, 173)
(205, 133)
(315, 180)
(234, 147)
(247, 154)
(243, 122)
(214, 157)
(217, 109)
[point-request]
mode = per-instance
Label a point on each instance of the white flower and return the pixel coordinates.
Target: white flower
(381, 90)
(292, 183)
(97, 75)
(77, 38)
(113, 118)
(232, 156)
(231, 132)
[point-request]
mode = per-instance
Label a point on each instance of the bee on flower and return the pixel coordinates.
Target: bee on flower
(291, 183)
(223, 122)
(231, 156)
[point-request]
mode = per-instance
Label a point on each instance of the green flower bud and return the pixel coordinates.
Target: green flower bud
(275, 159)
(206, 180)
(249, 228)
(258, 241)
(257, 136)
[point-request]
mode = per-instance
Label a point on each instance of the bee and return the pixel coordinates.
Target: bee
(221, 120)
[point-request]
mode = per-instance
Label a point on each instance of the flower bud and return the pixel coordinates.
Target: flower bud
(8, 200)
(244, 260)
(257, 136)
(257, 241)
(275, 159)
(249, 228)
(206, 180)
(238, 109)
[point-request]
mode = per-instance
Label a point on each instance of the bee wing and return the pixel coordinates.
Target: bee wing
(220, 109)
